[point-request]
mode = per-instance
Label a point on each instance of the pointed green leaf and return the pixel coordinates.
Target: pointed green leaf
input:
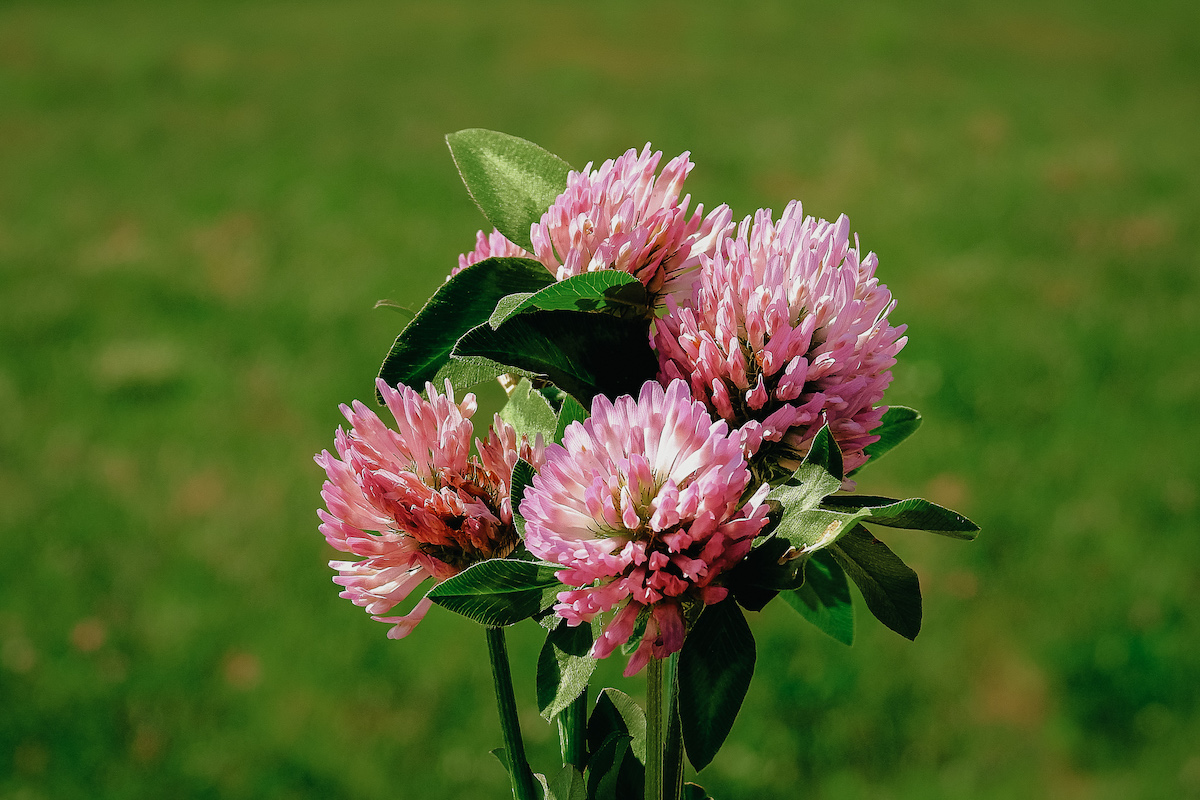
(694, 791)
(604, 768)
(819, 475)
(898, 423)
(567, 785)
(570, 412)
(501, 755)
(617, 712)
(812, 529)
(513, 181)
(528, 411)
(608, 289)
(889, 587)
(824, 599)
(564, 667)
(825, 454)
(505, 307)
(460, 304)
(575, 350)
(913, 514)
(499, 591)
(715, 668)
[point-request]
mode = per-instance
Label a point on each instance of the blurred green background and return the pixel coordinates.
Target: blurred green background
(200, 203)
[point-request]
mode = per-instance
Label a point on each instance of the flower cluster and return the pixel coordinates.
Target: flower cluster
(621, 216)
(641, 504)
(414, 503)
(787, 331)
(700, 436)
(764, 333)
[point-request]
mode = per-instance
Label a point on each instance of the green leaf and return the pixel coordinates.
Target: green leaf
(693, 791)
(513, 181)
(564, 667)
(616, 712)
(505, 307)
(499, 591)
(812, 529)
(889, 587)
(715, 668)
(824, 599)
(592, 291)
(567, 785)
(757, 578)
(570, 412)
(575, 350)
(824, 454)
(912, 514)
(819, 475)
(522, 477)
(605, 766)
(898, 423)
(465, 372)
(460, 304)
(528, 411)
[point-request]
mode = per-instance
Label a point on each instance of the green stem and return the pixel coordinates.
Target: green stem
(572, 731)
(506, 704)
(654, 729)
(673, 747)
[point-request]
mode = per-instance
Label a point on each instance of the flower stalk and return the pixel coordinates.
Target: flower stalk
(572, 732)
(654, 729)
(673, 744)
(506, 705)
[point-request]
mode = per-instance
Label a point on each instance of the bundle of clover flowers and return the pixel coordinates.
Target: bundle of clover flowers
(687, 400)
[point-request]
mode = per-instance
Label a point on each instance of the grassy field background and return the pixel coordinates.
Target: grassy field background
(200, 202)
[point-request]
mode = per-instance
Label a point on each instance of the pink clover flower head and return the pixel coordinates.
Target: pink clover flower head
(641, 505)
(787, 330)
(491, 245)
(621, 216)
(414, 503)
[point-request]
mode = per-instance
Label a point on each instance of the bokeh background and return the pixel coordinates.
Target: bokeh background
(201, 202)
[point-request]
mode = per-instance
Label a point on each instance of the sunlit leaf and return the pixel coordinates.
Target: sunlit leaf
(528, 411)
(564, 667)
(607, 289)
(499, 591)
(912, 514)
(898, 424)
(513, 181)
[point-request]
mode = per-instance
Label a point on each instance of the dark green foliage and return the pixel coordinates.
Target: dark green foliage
(461, 303)
(890, 588)
(715, 668)
(572, 349)
(824, 598)
(498, 591)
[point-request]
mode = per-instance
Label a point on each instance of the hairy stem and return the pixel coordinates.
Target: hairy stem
(654, 729)
(572, 731)
(506, 704)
